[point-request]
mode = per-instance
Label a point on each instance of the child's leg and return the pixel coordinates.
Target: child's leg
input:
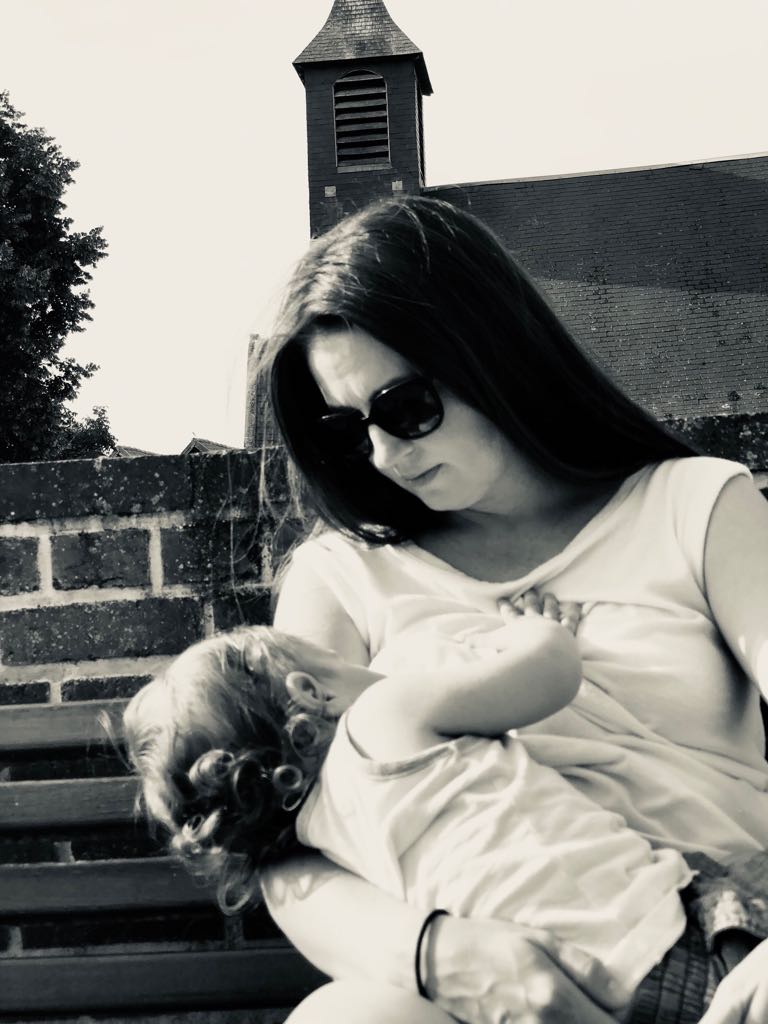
(358, 1002)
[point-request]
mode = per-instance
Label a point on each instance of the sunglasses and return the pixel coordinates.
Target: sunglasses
(407, 409)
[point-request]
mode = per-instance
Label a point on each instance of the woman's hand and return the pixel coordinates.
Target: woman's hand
(488, 972)
(568, 613)
(742, 997)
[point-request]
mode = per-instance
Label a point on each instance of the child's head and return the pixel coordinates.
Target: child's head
(227, 742)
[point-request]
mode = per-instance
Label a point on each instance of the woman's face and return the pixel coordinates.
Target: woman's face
(465, 464)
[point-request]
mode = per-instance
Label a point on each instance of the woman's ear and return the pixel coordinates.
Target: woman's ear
(306, 690)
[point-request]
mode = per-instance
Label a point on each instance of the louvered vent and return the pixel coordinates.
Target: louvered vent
(362, 124)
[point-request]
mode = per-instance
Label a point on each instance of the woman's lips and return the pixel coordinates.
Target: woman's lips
(423, 478)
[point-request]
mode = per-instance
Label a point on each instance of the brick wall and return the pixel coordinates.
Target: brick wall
(108, 569)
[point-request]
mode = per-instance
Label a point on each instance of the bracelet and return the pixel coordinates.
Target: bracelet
(420, 986)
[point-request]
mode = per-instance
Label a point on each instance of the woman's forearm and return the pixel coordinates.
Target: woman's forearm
(345, 926)
(476, 970)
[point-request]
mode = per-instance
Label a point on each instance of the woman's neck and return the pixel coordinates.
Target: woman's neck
(508, 542)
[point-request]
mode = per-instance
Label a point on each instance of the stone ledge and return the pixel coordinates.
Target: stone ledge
(742, 437)
(206, 484)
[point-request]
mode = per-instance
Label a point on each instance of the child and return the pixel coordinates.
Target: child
(254, 741)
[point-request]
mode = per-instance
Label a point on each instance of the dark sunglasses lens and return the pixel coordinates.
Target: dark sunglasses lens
(408, 410)
(344, 433)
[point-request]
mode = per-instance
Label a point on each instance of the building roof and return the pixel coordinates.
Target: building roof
(124, 451)
(200, 444)
(358, 30)
(659, 272)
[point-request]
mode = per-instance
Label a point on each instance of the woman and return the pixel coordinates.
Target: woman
(463, 451)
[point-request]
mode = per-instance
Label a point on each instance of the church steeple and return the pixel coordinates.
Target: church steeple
(359, 30)
(364, 80)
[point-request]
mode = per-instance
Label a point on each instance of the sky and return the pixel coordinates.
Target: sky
(188, 122)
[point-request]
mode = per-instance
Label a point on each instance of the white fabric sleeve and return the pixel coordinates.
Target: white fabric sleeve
(694, 484)
(333, 564)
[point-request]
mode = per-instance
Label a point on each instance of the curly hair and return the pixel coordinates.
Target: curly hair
(225, 758)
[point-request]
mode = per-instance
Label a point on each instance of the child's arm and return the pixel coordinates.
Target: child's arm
(537, 675)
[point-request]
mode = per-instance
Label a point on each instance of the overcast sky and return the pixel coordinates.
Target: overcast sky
(188, 122)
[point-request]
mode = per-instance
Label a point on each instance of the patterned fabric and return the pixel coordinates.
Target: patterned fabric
(727, 909)
(730, 896)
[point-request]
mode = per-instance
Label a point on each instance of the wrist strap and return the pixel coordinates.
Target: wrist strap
(421, 987)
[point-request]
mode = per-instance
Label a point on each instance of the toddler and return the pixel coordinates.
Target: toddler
(254, 742)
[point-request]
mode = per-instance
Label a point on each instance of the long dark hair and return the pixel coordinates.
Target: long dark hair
(434, 284)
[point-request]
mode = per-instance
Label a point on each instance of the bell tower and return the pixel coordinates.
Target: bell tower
(364, 81)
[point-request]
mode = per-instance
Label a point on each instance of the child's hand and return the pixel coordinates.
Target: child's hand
(567, 613)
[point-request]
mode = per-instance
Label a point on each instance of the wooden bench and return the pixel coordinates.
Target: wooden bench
(66, 914)
(44, 877)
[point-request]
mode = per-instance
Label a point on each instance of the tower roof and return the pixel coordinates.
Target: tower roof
(359, 29)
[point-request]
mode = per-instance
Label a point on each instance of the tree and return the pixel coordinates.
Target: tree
(43, 299)
(83, 439)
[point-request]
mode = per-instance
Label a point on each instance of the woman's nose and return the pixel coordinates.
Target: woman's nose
(386, 449)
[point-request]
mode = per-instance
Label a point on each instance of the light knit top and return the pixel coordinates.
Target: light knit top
(666, 728)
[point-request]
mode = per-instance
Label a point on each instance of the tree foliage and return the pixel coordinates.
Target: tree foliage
(43, 298)
(82, 439)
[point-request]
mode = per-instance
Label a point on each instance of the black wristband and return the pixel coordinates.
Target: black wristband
(421, 987)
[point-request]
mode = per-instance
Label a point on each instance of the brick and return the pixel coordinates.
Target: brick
(102, 688)
(284, 535)
(18, 565)
(210, 552)
(25, 693)
(85, 487)
(224, 480)
(237, 610)
(115, 558)
(112, 629)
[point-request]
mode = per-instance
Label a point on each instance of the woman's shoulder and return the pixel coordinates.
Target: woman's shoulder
(692, 481)
(663, 492)
(325, 542)
(331, 553)
(682, 493)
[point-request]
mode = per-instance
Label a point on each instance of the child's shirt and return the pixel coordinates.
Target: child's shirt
(477, 827)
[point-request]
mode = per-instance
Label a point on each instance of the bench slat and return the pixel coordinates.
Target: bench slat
(90, 886)
(57, 726)
(259, 977)
(66, 802)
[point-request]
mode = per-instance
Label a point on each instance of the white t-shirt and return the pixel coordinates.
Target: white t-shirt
(666, 729)
(477, 827)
